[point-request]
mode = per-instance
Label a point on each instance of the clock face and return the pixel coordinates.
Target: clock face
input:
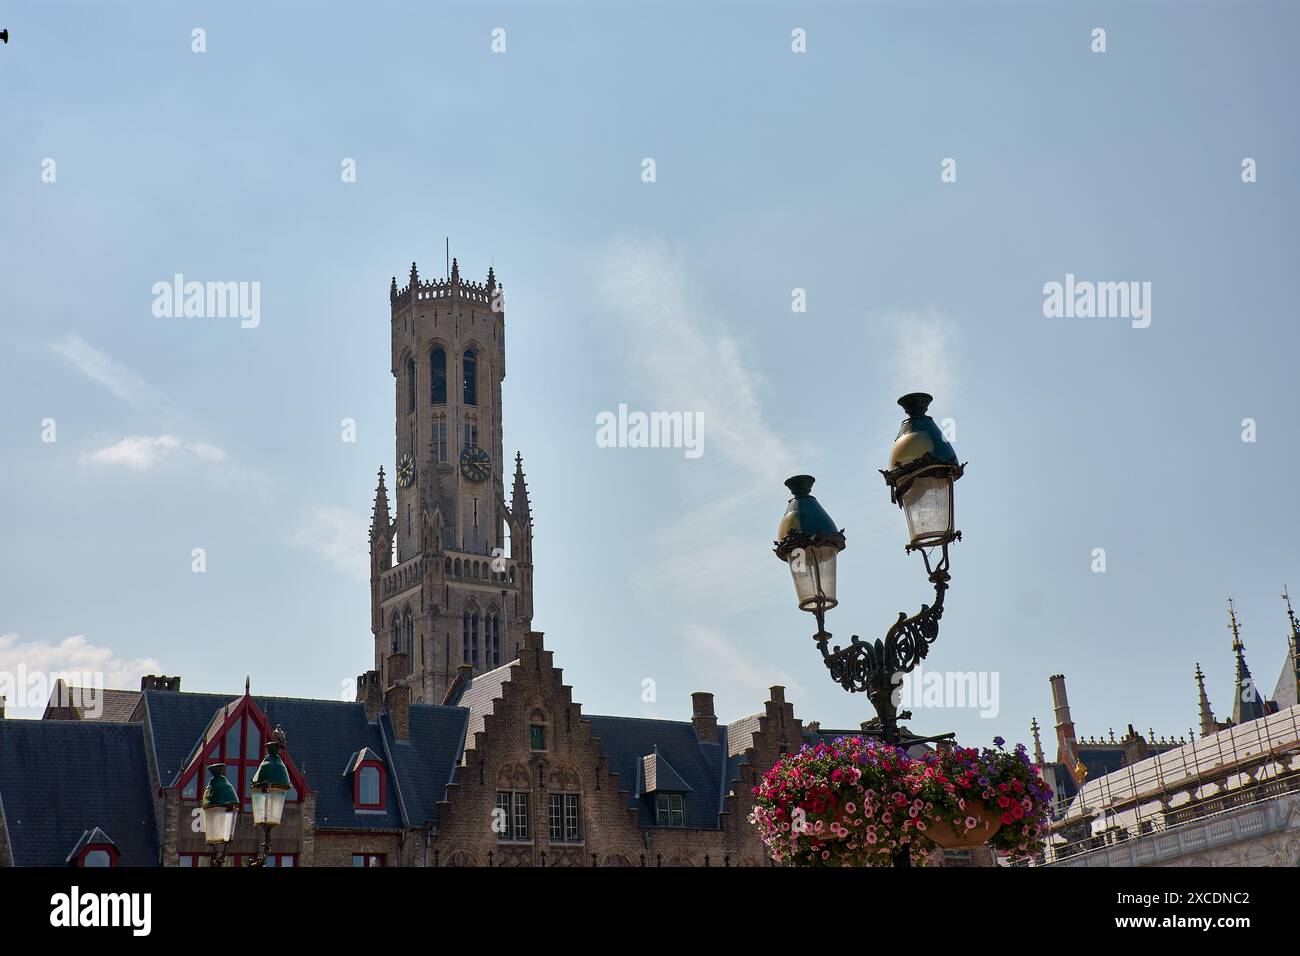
(475, 464)
(406, 470)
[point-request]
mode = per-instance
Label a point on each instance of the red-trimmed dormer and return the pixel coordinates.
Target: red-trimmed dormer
(369, 780)
(95, 849)
(236, 736)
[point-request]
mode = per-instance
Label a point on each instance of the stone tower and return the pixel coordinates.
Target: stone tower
(446, 586)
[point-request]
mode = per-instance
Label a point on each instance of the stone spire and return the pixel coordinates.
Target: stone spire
(520, 509)
(1208, 724)
(492, 279)
(1246, 704)
(392, 290)
(379, 520)
(1038, 744)
(415, 277)
(455, 272)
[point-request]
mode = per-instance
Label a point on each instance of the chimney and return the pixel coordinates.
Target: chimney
(703, 719)
(813, 726)
(463, 677)
(397, 696)
(776, 694)
(160, 682)
(370, 693)
(1066, 751)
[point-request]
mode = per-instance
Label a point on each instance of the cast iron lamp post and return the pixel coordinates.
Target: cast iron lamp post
(269, 787)
(922, 470)
(220, 811)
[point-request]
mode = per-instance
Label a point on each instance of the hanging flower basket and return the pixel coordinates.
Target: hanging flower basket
(977, 828)
(857, 802)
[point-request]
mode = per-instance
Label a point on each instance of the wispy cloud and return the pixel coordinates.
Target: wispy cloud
(112, 375)
(924, 344)
(28, 670)
(139, 452)
(339, 536)
(738, 678)
(685, 357)
(687, 361)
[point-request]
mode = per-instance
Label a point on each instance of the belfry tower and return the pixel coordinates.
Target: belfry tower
(446, 586)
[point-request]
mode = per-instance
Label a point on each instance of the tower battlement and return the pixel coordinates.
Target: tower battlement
(489, 292)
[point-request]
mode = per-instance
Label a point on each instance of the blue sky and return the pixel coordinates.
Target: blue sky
(775, 171)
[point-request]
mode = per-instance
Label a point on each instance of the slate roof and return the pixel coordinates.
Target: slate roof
(113, 706)
(48, 810)
(658, 776)
(701, 765)
(425, 761)
(477, 696)
(322, 736)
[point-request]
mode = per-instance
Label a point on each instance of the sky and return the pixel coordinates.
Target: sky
(829, 171)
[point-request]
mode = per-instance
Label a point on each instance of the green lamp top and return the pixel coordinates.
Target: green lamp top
(805, 521)
(219, 792)
(271, 774)
(919, 435)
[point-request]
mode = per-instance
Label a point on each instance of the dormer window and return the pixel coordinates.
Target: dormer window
(665, 789)
(95, 849)
(369, 780)
(669, 810)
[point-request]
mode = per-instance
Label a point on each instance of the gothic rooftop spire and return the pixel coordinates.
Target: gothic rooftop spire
(380, 520)
(1247, 703)
(519, 505)
(1208, 723)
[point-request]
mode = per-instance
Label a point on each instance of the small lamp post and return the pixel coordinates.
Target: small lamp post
(269, 786)
(220, 811)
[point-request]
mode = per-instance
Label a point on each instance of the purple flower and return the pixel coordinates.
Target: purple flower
(998, 741)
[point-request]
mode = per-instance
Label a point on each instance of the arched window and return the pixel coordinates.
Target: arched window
(410, 384)
(473, 639)
(492, 639)
(469, 365)
(408, 640)
(438, 376)
(446, 566)
(396, 641)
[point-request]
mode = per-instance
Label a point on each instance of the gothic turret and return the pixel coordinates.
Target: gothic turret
(1293, 648)
(380, 523)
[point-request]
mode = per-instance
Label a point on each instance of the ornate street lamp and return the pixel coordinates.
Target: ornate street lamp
(220, 811)
(923, 468)
(269, 786)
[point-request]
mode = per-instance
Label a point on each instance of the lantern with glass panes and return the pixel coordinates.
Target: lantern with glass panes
(920, 477)
(268, 789)
(220, 812)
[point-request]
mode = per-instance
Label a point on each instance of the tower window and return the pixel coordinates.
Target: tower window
(470, 367)
(471, 435)
(440, 436)
(438, 377)
(410, 384)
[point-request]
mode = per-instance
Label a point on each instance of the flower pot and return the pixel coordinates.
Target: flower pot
(952, 837)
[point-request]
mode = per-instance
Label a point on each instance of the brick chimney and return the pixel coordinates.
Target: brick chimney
(371, 693)
(703, 719)
(160, 682)
(397, 696)
(1066, 749)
